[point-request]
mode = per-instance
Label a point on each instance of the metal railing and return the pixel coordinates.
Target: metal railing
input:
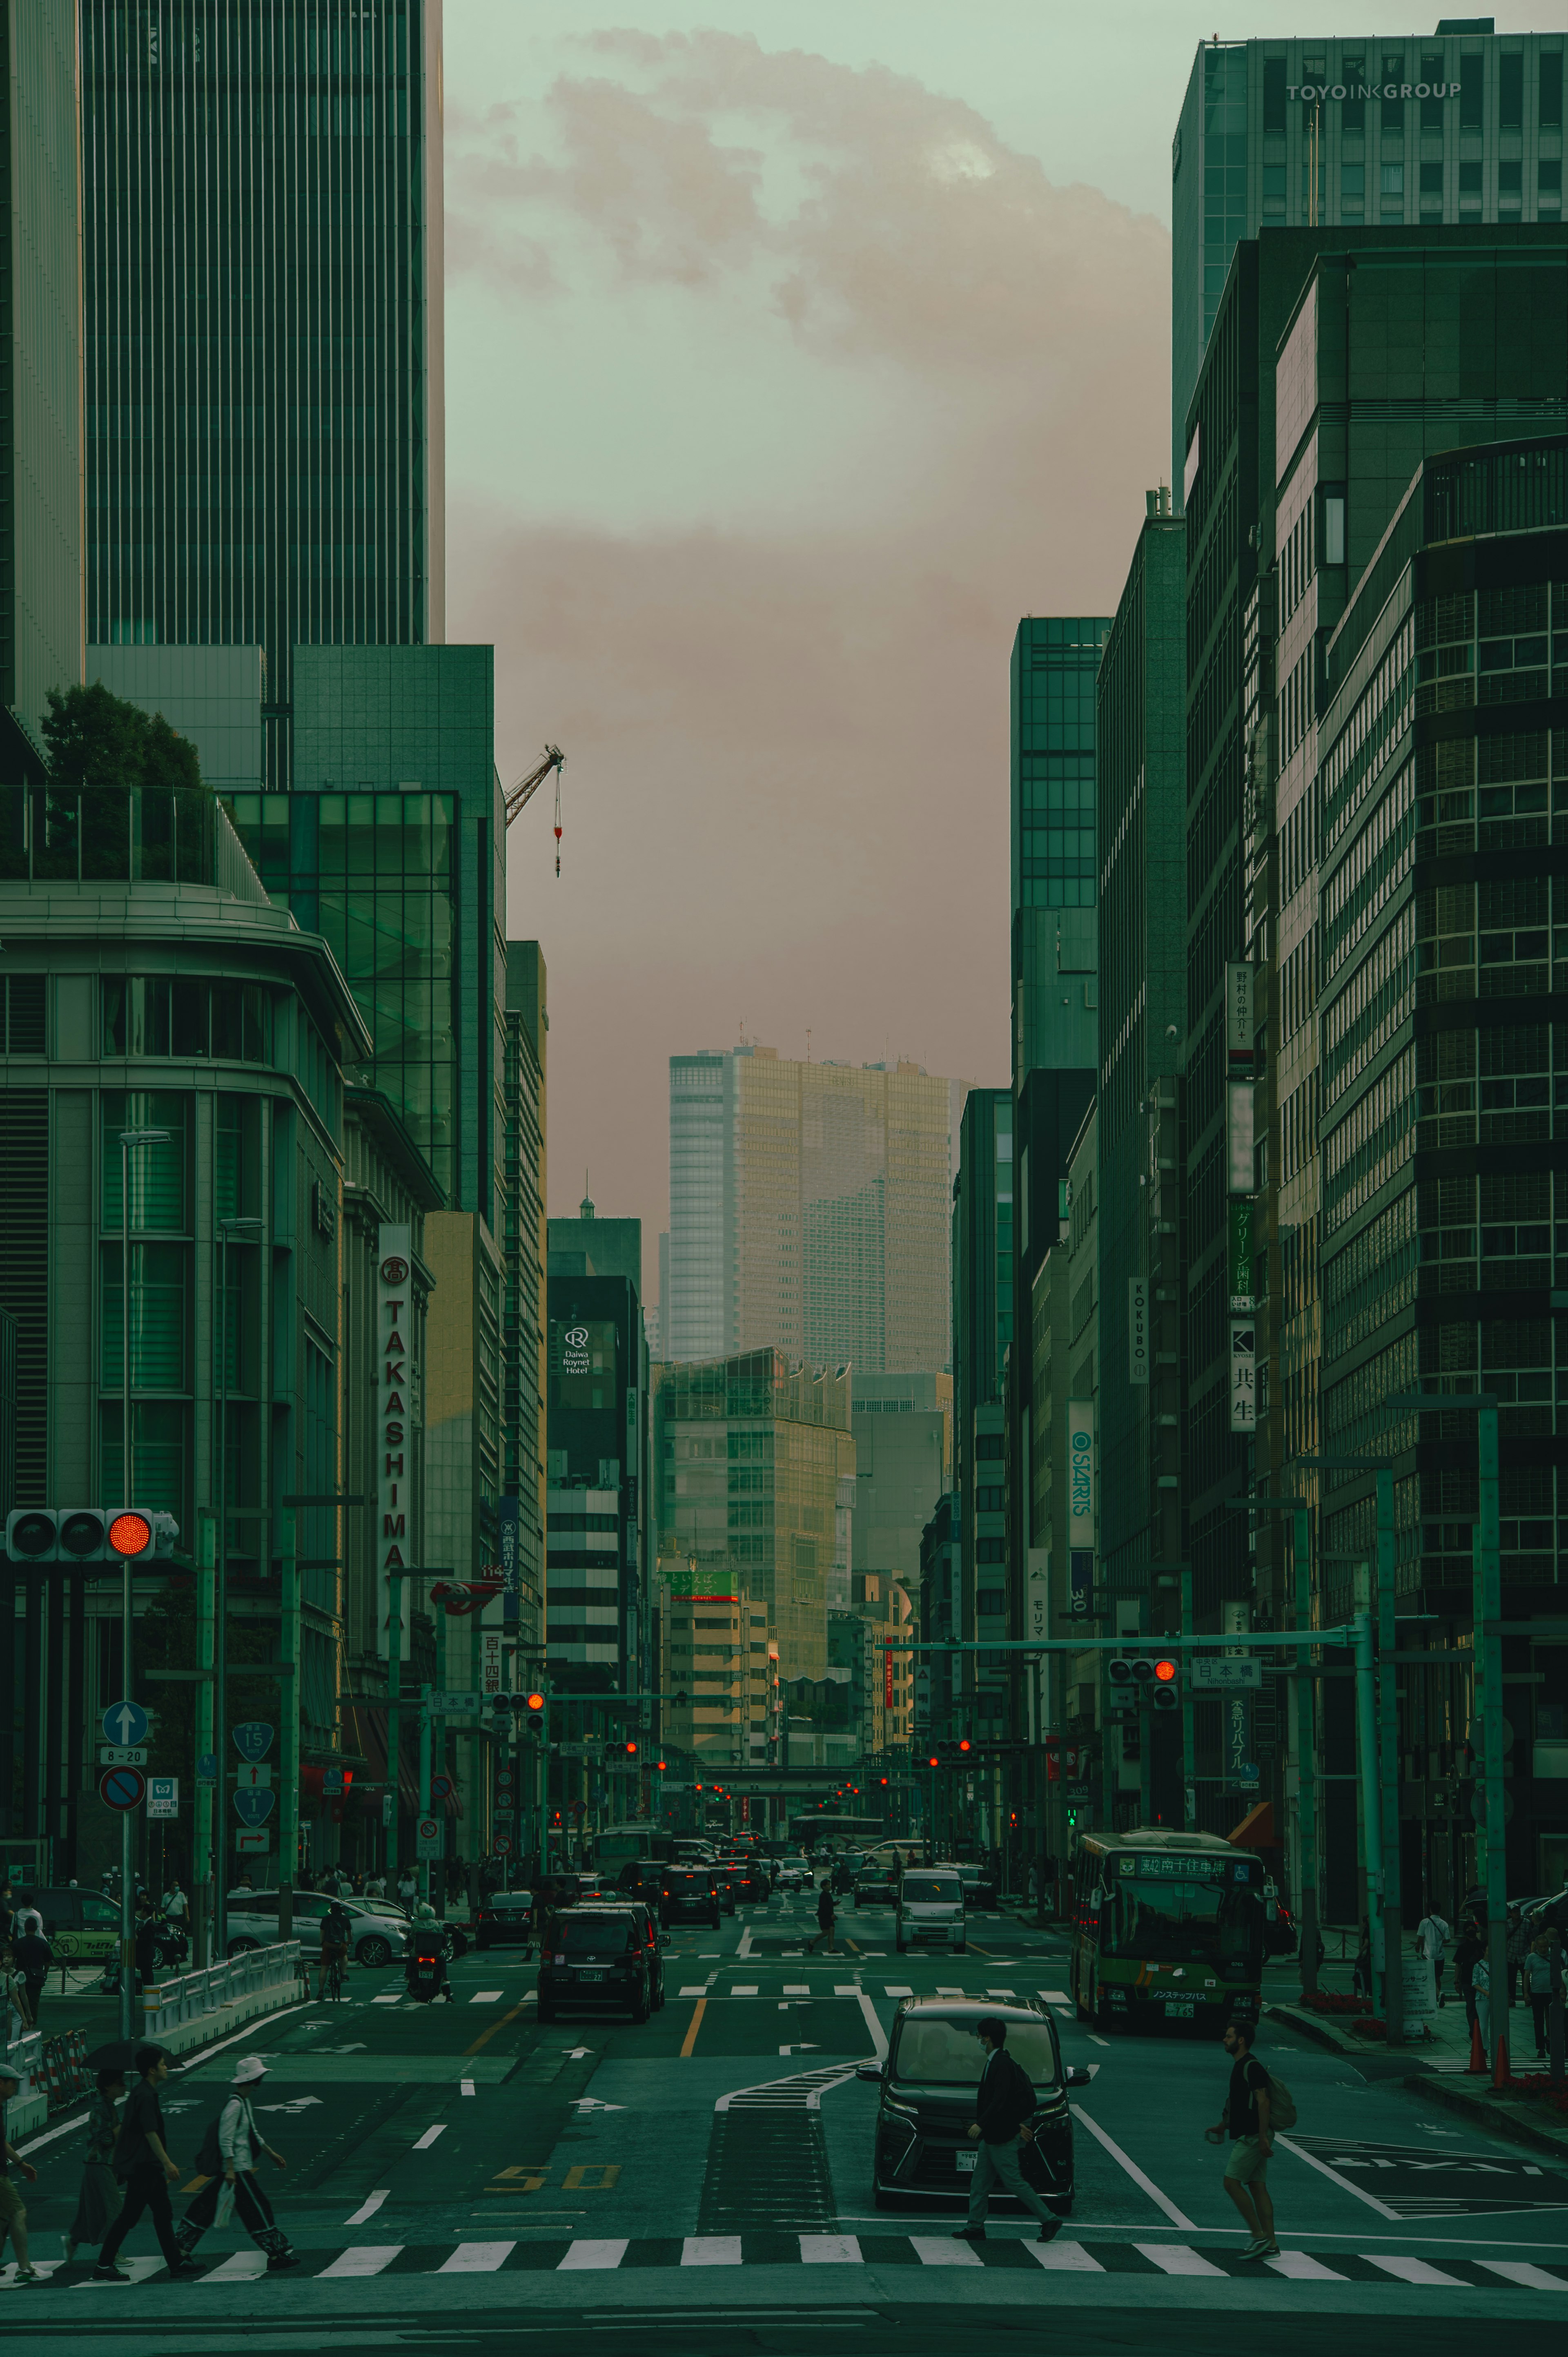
(190, 1995)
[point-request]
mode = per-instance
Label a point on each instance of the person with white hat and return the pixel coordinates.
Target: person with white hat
(227, 2159)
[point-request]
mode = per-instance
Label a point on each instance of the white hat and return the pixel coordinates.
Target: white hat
(248, 2070)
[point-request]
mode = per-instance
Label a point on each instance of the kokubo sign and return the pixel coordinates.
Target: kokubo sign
(394, 1451)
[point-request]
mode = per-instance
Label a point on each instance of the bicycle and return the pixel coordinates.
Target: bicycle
(333, 1977)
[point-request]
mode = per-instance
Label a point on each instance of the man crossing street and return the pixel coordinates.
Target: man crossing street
(1003, 2107)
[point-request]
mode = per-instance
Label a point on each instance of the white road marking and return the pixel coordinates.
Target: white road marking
(593, 2254)
(941, 2251)
(890, 1990)
(477, 2259)
(362, 2259)
(487, 1997)
(744, 1947)
(1414, 2271)
(1178, 2217)
(711, 2251)
(1519, 2271)
(423, 2144)
(1001, 1992)
(694, 1988)
(1302, 2268)
(750, 1990)
(797, 1988)
(136, 2270)
(368, 2207)
(1096, 2040)
(1176, 2259)
(878, 2035)
(239, 2266)
(1346, 2183)
(393, 1998)
(830, 2250)
(1055, 1996)
(465, 2087)
(1071, 2256)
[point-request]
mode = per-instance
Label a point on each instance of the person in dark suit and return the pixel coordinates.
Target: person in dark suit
(1004, 2108)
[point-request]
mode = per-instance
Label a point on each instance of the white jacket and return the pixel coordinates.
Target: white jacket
(240, 2139)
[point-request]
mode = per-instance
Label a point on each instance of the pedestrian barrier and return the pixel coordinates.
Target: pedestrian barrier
(189, 1995)
(25, 2059)
(63, 2073)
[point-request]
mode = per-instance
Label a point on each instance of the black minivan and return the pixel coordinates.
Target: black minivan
(923, 2151)
(690, 1895)
(597, 1958)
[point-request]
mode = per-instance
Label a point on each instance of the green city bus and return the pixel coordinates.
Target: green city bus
(1167, 1927)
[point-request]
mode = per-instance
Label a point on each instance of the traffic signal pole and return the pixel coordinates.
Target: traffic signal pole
(202, 1873)
(288, 1721)
(1305, 1736)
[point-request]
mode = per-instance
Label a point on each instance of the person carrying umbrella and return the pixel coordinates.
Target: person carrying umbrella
(98, 2203)
(240, 2145)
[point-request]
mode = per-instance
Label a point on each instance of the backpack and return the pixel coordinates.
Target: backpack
(209, 2157)
(1281, 2103)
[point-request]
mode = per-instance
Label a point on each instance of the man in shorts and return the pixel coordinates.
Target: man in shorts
(1246, 2121)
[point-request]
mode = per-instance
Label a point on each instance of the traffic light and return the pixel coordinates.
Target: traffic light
(1166, 1695)
(533, 1715)
(630, 1750)
(90, 1536)
(963, 1743)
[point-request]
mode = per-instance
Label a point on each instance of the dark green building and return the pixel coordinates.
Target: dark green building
(983, 1295)
(1052, 827)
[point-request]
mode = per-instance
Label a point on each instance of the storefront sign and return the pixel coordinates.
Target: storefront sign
(1240, 1023)
(1244, 1290)
(1243, 1375)
(1080, 1473)
(1137, 1329)
(394, 1436)
(1315, 93)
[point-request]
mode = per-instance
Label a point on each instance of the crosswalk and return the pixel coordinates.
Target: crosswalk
(361, 2261)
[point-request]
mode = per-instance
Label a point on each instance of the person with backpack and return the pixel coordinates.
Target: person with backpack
(1254, 2107)
(228, 2158)
(1004, 2107)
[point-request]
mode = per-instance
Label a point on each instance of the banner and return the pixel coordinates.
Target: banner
(1080, 1473)
(1242, 1213)
(395, 1437)
(1137, 1329)
(1243, 1375)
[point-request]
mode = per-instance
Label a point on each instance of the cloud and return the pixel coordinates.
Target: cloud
(787, 741)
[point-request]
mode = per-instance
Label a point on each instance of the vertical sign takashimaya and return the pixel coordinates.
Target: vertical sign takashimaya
(1080, 1505)
(394, 1428)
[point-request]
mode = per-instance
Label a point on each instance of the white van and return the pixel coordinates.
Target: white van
(930, 1909)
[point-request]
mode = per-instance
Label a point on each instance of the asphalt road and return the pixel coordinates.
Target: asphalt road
(460, 2176)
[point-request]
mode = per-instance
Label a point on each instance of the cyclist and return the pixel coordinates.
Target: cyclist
(336, 1931)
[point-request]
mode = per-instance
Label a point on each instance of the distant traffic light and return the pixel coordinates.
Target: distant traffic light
(89, 1536)
(630, 1749)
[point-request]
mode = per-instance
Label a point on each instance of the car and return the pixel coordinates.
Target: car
(655, 1940)
(726, 1880)
(922, 2152)
(929, 1911)
(979, 1883)
(753, 1882)
(643, 1879)
(81, 1926)
(690, 1895)
(380, 1933)
(503, 1918)
(596, 1958)
(877, 1885)
(794, 1873)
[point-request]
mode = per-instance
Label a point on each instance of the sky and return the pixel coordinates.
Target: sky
(794, 351)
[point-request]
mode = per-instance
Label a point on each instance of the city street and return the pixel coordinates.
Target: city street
(459, 2175)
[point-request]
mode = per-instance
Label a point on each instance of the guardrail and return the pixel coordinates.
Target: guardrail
(191, 1995)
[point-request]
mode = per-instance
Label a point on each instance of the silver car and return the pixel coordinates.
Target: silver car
(929, 1910)
(380, 1934)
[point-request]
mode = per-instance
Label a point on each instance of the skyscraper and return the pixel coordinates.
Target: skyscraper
(41, 630)
(1463, 124)
(262, 252)
(808, 1209)
(1054, 927)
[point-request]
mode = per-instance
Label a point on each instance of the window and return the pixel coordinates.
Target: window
(1549, 184)
(1353, 112)
(1432, 184)
(151, 1015)
(1549, 103)
(1472, 92)
(1470, 187)
(1392, 180)
(1274, 94)
(1510, 90)
(1393, 108)
(1352, 183)
(1434, 74)
(1510, 186)
(1274, 187)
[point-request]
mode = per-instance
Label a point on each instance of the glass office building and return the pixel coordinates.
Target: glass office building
(1055, 660)
(1462, 125)
(262, 259)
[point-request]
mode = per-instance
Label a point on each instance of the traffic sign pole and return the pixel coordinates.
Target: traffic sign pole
(288, 1721)
(203, 1875)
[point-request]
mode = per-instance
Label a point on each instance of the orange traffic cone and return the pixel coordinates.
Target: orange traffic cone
(1476, 2066)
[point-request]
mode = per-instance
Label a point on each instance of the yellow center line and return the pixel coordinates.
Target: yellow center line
(690, 2038)
(484, 2035)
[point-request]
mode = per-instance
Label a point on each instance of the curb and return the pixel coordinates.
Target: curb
(1481, 2111)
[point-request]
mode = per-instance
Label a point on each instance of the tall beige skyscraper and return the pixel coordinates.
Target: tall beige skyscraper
(808, 1211)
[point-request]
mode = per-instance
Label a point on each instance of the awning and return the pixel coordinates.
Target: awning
(1256, 1830)
(365, 1730)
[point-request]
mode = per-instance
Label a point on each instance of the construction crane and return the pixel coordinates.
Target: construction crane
(518, 797)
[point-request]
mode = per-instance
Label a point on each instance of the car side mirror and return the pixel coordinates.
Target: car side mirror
(1078, 2075)
(873, 2071)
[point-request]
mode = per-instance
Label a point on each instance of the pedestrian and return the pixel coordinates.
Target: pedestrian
(407, 1887)
(148, 1944)
(1537, 1987)
(1247, 2121)
(14, 2007)
(824, 1914)
(27, 1918)
(239, 2144)
(34, 1956)
(1004, 2107)
(1467, 1956)
(98, 2201)
(1361, 1969)
(1518, 1948)
(12, 2216)
(1431, 1937)
(142, 2163)
(1481, 2002)
(244, 1887)
(375, 1886)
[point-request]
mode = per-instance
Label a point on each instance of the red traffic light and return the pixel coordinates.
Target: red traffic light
(933, 1761)
(533, 1702)
(658, 1763)
(631, 1751)
(963, 1743)
(129, 1534)
(1164, 1670)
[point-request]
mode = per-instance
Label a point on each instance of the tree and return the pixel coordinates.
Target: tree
(94, 738)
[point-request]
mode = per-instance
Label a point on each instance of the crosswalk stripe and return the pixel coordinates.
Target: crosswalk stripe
(694, 1988)
(477, 2259)
(1177, 2259)
(942, 2251)
(1414, 2271)
(395, 1996)
(364, 2259)
(949, 1992)
(593, 2254)
(711, 2251)
(1300, 2266)
(846, 1988)
(1001, 1992)
(797, 1988)
(1055, 1996)
(487, 1997)
(240, 2267)
(830, 2250)
(1070, 2258)
(1520, 2271)
(749, 1991)
(889, 1988)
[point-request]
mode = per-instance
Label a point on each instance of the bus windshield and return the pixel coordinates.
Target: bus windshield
(1201, 1917)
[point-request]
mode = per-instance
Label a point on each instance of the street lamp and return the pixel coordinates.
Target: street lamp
(130, 1139)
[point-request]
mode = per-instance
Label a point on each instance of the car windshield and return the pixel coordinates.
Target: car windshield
(1204, 1918)
(939, 2054)
(931, 1889)
(594, 1939)
(502, 1900)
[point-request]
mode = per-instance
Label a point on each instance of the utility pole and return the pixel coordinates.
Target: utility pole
(288, 1722)
(1304, 1741)
(203, 1870)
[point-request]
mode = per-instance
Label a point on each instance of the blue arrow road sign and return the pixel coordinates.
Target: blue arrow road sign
(255, 1807)
(252, 1739)
(207, 1768)
(125, 1722)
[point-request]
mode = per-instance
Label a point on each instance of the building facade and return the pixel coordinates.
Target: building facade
(1457, 127)
(599, 1542)
(808, 1211)
(1054, 869)
(524, 1423)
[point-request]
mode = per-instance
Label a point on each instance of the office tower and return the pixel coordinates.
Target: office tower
(263, 258)
(525, 1229)
(1054, 866)
(589, 1246)
(596, 1523)
(982, 1296)
(719, 1653)
(755, 1463)
(41, 619)
(808, 1209)
(1462, 125)
(1141, 759)
(903, 1465)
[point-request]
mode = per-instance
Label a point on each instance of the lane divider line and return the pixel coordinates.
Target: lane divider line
(368, 2207)
(694, 2026)
(424, 2143)
(878, 2035)
(484, 2035)
(1161, 2200)
(1345, 2184)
